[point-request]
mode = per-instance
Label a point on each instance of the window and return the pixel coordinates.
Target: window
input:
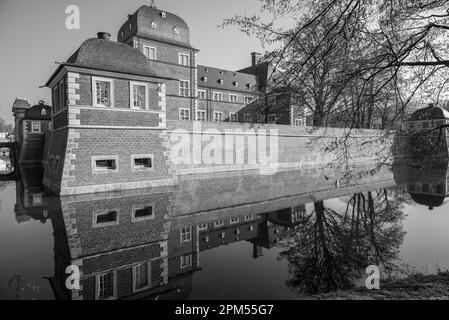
(56, 99)
(218, 223)
(150, 52)
(62, 94)
(35, 127)
(201, 115)
(184, 88)
(142, 162)
(163, 15)
(183, 59)
(202, 94)
(186, 261)
(43, 112)
(218, 116)
(272, 118)
(102, 89)
(249, 217)
(186, 234)
(234, 220)
(105, 218)
(142, 213)
(184, 114)
(248, 99)
(153, 25)
(299, 122)
(203, 226)
(138, 95)
(37, 199)
(204, 79)
(247, 118)
(105, 288)
(235, 84)
(141, 276)
(233, 117)
(218, 96)
(51, 161)
(58, 159)
(104, 164)
(175, 31)
(233, 98)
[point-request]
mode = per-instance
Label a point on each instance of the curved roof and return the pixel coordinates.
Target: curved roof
(35, 112)
(151, 23)
(429, 113)
(430, 201)
(107, 55)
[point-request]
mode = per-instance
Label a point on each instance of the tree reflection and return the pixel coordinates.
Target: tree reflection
(331, 248)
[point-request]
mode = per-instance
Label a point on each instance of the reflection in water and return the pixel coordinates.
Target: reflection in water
(147, 244)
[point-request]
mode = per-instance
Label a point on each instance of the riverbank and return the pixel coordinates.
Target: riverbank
(416, 287)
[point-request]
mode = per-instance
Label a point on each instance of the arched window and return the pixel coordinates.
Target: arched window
(153, 25)
(175, 30)
(43, 112)
(163, 15)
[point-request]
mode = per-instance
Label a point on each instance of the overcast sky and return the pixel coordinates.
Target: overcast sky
(33, 36)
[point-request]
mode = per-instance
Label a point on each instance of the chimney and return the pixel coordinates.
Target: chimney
(255, 58)
(104, 35)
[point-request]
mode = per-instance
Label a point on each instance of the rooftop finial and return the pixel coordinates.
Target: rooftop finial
(153, 4)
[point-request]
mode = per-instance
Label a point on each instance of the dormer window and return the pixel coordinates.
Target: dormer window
(163, 15)
(205, 79)
(249, 85)
(121, 34)
(43, 112)
(220, 81)
(236, 84)
(153, 25)
(130, 26)
(175, 30)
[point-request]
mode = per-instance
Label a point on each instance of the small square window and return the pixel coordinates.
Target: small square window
(104, 164)
(186, 234)
(184, 114)
(218, 116)
(142, 162)
(201, 115)
(35, 127)
(183, 59)
(202, 94)
(233, 117)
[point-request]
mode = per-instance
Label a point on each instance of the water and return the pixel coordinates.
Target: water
(232, 236)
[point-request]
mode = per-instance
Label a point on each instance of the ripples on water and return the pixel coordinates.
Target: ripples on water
(224, 237)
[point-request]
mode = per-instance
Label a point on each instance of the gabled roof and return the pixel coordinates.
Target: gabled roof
(226, 80)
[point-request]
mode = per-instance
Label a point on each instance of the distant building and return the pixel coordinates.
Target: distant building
(30, 132)
(19, 109)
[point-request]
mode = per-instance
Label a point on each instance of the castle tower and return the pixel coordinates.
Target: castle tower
(19, 109)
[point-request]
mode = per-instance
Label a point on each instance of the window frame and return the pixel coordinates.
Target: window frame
(219, 94)
(189, 239)
(94, 91)
(202, 111)
(219, 223)
(299, 120)
(132, 84)
(182, 93)
(133, 157)
(134, 275)
(184, 109)
(181, 61)
(221, 116)
(199, 94)
(149, 50)
(139, 207)
(97, 213)
(236, 117)
(39, 125)
(114, 285)
(236, 96)
(95, 170)
(182, 261)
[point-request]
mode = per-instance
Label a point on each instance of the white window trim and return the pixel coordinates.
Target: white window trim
(138, 207)
(95, 214)
(298, 120)
(188, 88)
(233, 95)
(180, 235)
(203, 226)
(234, 220)
(138, 156)
(185, 109)
(149, 50)
(218, 223)
(95, 170)
(135, 290)
(180, 54)
(218, 94)
(236, 117)
(197, 117)
(114, 286)
(131, 94)
(218, 112)
(202, 91)
(185, 266)
(94, 91)
(39, 124)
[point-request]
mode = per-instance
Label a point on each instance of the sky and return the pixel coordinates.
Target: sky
(33, 36)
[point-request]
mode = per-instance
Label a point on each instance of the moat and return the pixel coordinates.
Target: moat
(285, 236)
